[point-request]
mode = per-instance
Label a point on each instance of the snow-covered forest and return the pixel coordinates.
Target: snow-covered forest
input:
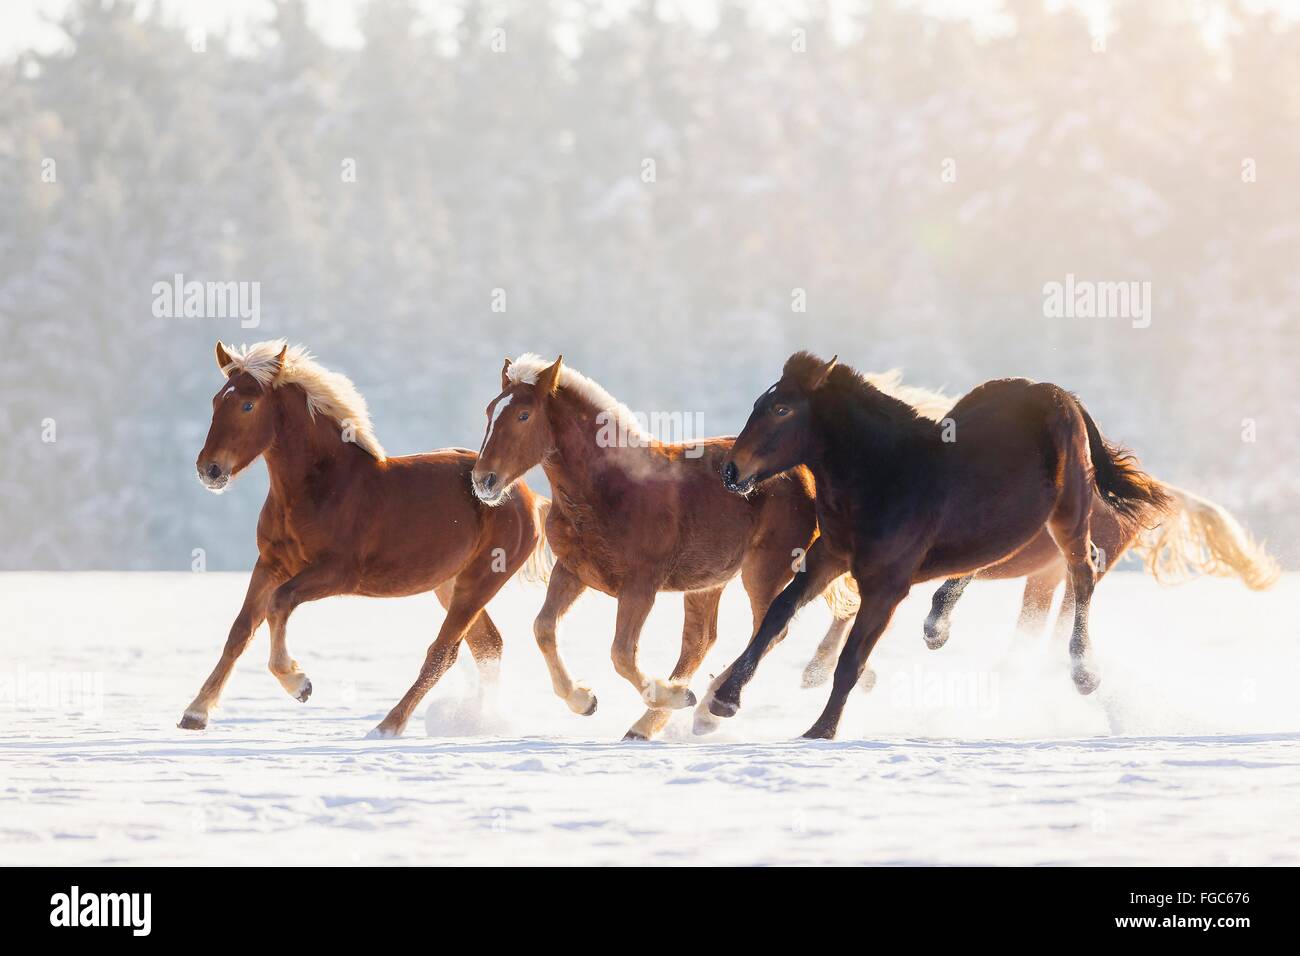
(674, 203)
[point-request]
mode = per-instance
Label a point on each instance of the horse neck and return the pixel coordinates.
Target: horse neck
(306, 447)
(867, 427)
(576, 457)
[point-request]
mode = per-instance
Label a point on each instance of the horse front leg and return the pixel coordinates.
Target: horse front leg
(634, 604)
(251, 615)
(312, 584)
(563, 589)
(879, 599)
(723, 699)
(699, 633)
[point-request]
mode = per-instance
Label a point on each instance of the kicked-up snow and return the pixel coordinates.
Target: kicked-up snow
(981, 752)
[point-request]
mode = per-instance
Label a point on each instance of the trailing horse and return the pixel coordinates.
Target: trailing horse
(1196, 537)
(901, 500)
(632, 517)
(341, 517)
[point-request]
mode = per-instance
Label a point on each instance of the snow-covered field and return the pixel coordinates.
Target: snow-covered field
(979, 753)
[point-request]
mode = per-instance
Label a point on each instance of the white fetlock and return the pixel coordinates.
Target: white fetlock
(705, 722)
(581, 701)
(663, 695)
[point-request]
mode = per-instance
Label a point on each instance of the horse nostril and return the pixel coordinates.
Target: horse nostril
(729, 473)
(214, 471)
(489, 481)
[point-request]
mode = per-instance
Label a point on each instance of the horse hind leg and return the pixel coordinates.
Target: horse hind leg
(818, 670)
(699, 633)
(1081, 579)
(485, 644)
(1037, 599)
(938, 623)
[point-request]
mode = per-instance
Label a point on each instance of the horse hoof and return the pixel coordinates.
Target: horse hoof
(935, 635)
(1085, 681)
(383, 733)
(581, 701)
(814, 675)
(193, 720)
(816, 732)
(723, 708)
(704, 723)
(304, 692)
(633, 735)
(867, 682)
(661, 695)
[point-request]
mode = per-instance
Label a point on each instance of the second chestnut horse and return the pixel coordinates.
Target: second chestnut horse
(631, 517)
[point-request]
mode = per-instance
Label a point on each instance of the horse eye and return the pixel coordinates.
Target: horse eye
(781, 410)
(523, 416)
(248, 406)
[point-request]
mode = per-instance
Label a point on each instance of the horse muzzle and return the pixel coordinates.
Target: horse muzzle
(732, 481)
(213, 476)
(488, 487)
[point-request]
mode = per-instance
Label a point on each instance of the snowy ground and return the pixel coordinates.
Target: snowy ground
(979, 753)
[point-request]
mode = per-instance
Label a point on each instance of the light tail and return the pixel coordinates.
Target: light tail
(842, 598)
(1200, 537)
(537, 569)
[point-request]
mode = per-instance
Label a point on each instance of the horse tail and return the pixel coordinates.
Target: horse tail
(1201, 537)
(1122, 483)
(842, 597)
(537, 569)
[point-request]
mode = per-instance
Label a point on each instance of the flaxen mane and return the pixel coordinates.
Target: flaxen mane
(332, 394)
(929, 403)
(528, 366)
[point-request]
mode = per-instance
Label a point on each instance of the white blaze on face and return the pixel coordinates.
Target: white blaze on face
(230, 390)
(501, 409)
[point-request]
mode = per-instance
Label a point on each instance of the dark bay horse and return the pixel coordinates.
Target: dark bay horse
(1196, 537)
(341, 517)
(631, 517)
(901, 500)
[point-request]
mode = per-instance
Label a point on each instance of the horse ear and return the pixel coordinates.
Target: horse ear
(279, 359)
(818, 378)
(223, 357)
(548, 380)
(505, 374)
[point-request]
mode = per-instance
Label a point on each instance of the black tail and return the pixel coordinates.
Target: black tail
(1120, 479)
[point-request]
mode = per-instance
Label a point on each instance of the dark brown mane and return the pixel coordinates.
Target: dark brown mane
(850, 390)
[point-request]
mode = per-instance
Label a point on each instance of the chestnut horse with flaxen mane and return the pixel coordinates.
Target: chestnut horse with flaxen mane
(633, 516)
(900, 502)
(341, 517)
